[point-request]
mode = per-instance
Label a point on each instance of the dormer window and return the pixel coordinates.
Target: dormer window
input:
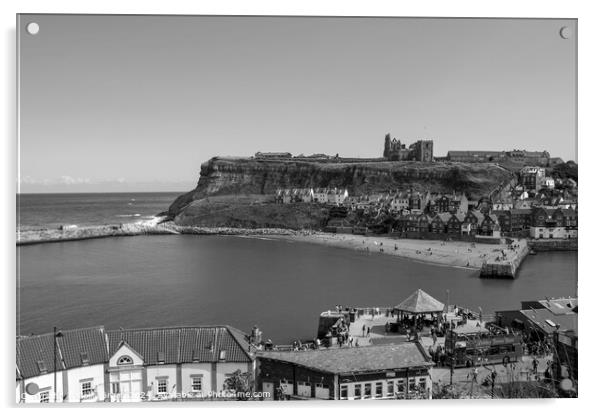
(42, 367)
(161, 357)
(196, 357)
(85, 358)
(222, 355)
(125, 360)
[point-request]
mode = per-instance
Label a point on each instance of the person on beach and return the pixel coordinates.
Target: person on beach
(364, 330)
(368, 332)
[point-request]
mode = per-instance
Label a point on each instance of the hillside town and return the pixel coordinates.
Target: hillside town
(534, 204)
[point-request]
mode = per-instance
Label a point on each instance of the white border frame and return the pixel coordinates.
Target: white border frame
(589, 37)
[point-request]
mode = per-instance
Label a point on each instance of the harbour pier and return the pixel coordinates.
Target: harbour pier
(507, 264)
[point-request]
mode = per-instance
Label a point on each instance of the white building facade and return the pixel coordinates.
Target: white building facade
(191, 363)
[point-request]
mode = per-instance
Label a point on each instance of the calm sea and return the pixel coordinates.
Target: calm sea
(153, 281)
(36, 211)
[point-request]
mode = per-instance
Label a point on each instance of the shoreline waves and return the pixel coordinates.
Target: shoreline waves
(449, 253)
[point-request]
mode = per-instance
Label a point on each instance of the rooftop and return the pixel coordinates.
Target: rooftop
(90, 346)
(420, 302)
(547, 321)
(560, 306)
(75, 348)
(348, 360)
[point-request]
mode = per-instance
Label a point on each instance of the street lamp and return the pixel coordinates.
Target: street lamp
(56, 334)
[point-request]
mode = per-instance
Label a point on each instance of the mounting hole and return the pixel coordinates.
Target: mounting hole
(566, 32)
(33, 28)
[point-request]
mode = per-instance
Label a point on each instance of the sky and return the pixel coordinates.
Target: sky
(137, 103)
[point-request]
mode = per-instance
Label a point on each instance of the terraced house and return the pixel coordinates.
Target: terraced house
(553, 223)
(454, 224)
(184, 363)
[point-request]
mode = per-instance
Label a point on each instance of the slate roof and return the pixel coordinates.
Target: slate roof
(355, 359)
(76, 347)
(420, 302)
(34, 349)
(76, 343)
(183, 344)
(90, 346)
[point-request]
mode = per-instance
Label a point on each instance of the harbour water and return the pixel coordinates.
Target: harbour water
(151, 281)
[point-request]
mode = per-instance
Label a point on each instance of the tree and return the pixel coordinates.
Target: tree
(241, 384)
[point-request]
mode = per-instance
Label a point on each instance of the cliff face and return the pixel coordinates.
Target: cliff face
(229, 176)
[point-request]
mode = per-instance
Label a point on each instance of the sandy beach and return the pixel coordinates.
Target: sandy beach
(448, 253)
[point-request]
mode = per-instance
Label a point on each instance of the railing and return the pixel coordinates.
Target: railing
(388, 310)
(289, 347)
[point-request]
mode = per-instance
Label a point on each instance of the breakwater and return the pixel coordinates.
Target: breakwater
(507, 264)
(134, 229)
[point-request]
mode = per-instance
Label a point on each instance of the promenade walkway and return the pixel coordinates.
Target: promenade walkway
(378, 335)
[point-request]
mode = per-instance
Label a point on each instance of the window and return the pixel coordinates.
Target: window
(304, 388)
(114, 388)
(379, 389)
(197, 383)
(323, 386)
(422, 384)
(222, 355)
(125, 360)
(357, 391)
(390, 388)
(162, 385)
(86, 389)
(412, 384)
(161, 357)
(85, 358)
(367, 389)
(44, 397)
(401, 386)
(344, 392)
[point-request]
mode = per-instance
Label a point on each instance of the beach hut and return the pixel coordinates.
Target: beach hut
(419, 304)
